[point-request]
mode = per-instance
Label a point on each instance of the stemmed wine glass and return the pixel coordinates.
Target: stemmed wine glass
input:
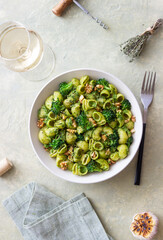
(22, 50)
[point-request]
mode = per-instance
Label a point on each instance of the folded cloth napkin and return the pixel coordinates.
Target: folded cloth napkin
(40, 214)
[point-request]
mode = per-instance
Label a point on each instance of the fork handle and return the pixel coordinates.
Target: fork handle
(140, 156)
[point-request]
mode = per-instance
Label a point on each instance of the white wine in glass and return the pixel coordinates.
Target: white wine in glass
(22, 50)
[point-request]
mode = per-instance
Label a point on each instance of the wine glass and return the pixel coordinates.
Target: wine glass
(22, 50)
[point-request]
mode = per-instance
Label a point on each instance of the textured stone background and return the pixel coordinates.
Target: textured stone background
(79, 42)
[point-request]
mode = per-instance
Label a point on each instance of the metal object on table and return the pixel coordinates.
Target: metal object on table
(147, 92)
(63, 4)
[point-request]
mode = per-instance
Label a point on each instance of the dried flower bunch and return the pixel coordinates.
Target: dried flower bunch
(134, 46)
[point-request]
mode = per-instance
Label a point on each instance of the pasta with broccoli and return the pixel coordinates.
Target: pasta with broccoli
(87, 125)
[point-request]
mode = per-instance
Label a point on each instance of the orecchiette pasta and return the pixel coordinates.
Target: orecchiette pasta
(97, 133)
(108, 103)
(43, 111)
(94, 155)
(70, 138)
(75, 82)
(99, 118)
(127, 114)
(123, 151)
(89, 104)
(60, 124)
(80, 89)
(85, 159)
(105, 93)
(103, 154)
(75, 109)
(77, 154)
(98, 146)
(84, 80)
(79, 169)
(114, 156)
(120, 98)
(60, 158)
(108, 130)
(62, 149)
(52, 116)
(122, 136)
(130, 125)
(48, 102)
(83, 145)
(51, 131)
(104, 165)
(57, 96)
(86, 125)
(43, 137)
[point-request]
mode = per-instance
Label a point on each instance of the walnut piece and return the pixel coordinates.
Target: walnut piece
(40, 123)
(64, 165)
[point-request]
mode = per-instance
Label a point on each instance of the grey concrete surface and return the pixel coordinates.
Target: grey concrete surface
(79, 42)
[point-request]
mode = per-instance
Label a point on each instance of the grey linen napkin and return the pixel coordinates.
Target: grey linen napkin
(40, 214)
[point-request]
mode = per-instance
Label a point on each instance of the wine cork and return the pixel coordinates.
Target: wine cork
(61, 6)
(5, 165)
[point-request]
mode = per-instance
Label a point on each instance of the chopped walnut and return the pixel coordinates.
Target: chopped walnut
(118, 104)
(71, 149)
(127, 120)
(92, 121)
(66, 153)
(40, 123)
(64, 165)
(133, 119)
(74, 124)
(81, 98)
(69, 152)
(107, 151)
(71, 130)
(93, 155)
(119, 110)
(64, 117)
(110, 161)
(88, 88)
(104, 137)
(46, 149)
(99, 87)
(132, 130)
(70, 157)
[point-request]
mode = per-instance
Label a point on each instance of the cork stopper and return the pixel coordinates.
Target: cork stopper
(5, 165)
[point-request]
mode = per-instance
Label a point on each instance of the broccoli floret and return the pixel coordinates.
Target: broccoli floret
(93, 166)
(120, 118)
(129, 141)
(106, 142)
(103, 82)
(75, 95)
(62, 135)
(56, 107)
(80, 137)
(43, 111)
(84, 122)
(65, 88)
(126, 105)
(109, 114)
(56, 143)
(113, 140)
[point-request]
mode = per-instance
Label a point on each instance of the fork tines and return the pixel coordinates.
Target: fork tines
(148, 83)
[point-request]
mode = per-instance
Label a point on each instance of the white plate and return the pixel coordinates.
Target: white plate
(49, 162)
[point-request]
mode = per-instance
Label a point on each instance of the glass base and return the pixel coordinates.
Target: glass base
(43, 70)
